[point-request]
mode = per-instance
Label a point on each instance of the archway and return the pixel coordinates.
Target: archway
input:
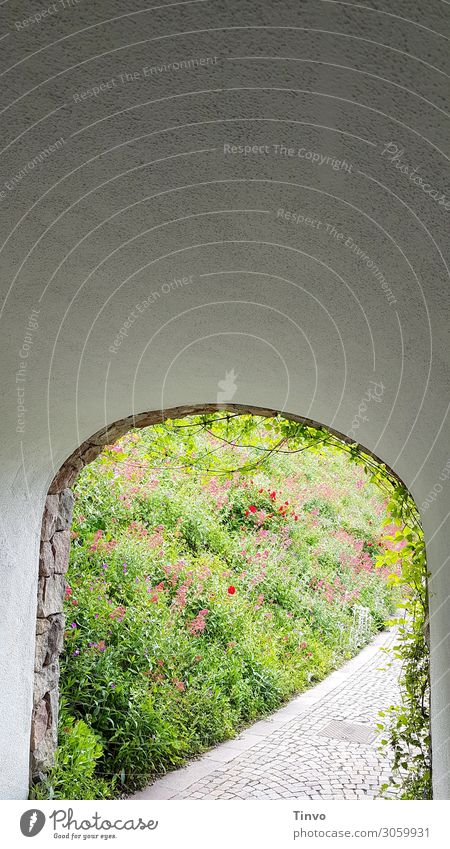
(54, 556)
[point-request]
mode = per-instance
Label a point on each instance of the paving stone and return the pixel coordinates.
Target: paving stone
(154, 791)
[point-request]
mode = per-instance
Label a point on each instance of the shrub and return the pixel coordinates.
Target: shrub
(72, 777)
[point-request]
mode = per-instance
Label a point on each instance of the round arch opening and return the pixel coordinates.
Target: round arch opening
(55, 552)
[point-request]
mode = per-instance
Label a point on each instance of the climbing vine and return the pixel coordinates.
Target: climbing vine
(406, 726)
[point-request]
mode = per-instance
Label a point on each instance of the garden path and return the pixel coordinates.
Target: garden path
(323, 744)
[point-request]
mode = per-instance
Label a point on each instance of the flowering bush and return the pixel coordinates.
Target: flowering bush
(196, 603)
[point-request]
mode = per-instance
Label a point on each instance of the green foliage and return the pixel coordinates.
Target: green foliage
(72, 777)
(215, 567)
(407, 726)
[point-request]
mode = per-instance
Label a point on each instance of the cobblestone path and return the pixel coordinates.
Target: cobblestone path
(321, 745)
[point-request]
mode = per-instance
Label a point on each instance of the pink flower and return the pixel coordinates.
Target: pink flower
(97, 537)
(197, 626)
(118, 613)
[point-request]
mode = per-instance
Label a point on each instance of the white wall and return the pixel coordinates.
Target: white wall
(304, 323)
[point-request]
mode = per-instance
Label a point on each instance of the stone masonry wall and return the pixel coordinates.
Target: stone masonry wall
(53, 563)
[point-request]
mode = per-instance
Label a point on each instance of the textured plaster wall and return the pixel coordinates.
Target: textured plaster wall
(256, 211)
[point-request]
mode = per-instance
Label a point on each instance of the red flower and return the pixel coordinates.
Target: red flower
(231, 590)
(273, 495)
(252, 508)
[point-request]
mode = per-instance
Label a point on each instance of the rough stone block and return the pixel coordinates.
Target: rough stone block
(55, 638)
(64, 519)
(51, 595)
(60, 547)
(49, 643)
(46, 560)
(66, 475)
(89, 452)
(40, 651)
(42, 625)
(41, 721)
(50, 517)
(44, 734)
(45, 681)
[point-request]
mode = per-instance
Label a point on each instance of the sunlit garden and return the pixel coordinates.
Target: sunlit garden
(214, 573)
